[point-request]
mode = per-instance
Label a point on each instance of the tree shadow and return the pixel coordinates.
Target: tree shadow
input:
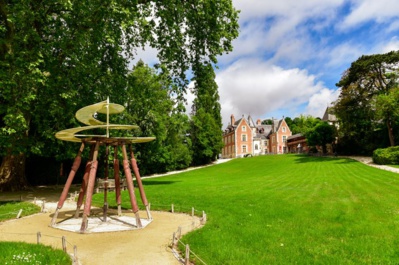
(162, 182)
(336, 159)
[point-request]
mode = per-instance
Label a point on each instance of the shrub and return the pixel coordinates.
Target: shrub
(386, 156)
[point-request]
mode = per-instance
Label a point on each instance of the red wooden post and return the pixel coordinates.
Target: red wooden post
(117, 181)
(105, 207)
(130, 186)
(83, 187)
(90, 188)
(68, 183)
(139, 183)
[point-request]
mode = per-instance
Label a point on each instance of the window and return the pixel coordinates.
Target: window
(283, 129)
(244, 137)
(265, 143)
(244, 128)
(284, 139)
(256, 147)
(244, 148)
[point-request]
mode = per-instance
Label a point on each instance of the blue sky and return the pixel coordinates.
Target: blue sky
(290, 53)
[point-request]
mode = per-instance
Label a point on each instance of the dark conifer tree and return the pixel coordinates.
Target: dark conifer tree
(206, 120)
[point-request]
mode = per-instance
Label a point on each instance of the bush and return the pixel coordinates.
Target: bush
(386, 156)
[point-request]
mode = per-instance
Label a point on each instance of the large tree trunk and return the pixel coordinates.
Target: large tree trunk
(390, 133)
(12, 173)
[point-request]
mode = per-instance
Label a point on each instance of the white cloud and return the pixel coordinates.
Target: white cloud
(258, 88)
(392, 45)
(287, 8)
(319, 101)
(382, 11)
(148, 55)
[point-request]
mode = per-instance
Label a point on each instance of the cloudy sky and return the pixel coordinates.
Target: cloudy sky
(291, 53)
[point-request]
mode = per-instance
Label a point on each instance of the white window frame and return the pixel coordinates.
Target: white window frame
(244, 148)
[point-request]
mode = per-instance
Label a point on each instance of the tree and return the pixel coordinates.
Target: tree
(57, 56)
(150, 105)
(303, 124)
(386, 106)
(322, 134)
(367, 77)
(267, 122)
(206, 125)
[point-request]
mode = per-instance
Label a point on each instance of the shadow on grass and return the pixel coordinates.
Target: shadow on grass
(338, 160)
(9, 202)
(156, 182)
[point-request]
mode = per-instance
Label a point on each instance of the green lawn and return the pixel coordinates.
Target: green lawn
(287, 209)
(10, 209)
(24, 253)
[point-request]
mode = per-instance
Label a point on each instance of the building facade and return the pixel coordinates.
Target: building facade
(243, 137)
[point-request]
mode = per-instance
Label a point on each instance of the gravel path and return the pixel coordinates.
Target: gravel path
(149, 245)
(369, 161)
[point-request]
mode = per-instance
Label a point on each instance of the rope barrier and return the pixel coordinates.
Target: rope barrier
(40, 239)
(176, 235)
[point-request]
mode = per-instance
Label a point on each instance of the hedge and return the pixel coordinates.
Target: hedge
(386, 156)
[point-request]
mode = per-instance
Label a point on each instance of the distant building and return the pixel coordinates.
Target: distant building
(330, 117)
(244, 137)
(297, 144)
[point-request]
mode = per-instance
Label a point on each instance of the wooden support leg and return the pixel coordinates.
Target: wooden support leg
(117, 181)
(105, 206)
(84, 183)
(139, 183)
(130, 186)
(68, 183)
(90, 188)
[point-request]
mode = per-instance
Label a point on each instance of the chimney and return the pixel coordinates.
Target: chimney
(272, 125)
(233, 120)
(258, 122)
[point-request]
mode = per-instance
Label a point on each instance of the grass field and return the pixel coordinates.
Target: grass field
(287, 209)
(24, 253)
(10, 209)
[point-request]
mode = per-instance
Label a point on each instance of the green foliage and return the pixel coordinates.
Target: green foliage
(367, 81)
(319, 210)
(34, 254)
(151, 106)
(58, 56)
(267, 122)
(322, 134)
(303, 124)
(206, 120)
(386, 156)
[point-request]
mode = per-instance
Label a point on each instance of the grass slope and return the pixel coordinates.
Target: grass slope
(287, 209)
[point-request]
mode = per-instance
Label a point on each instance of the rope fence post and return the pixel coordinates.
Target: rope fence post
(39, 235)
(174, 240)
(173, 208)
(75, 254)
(192, 211)
(187, 258)
(19, 214)
(203, 221)
(64, 248)
(43, 205)
(179, 232)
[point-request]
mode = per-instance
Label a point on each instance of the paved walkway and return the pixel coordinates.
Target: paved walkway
(369, 161)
